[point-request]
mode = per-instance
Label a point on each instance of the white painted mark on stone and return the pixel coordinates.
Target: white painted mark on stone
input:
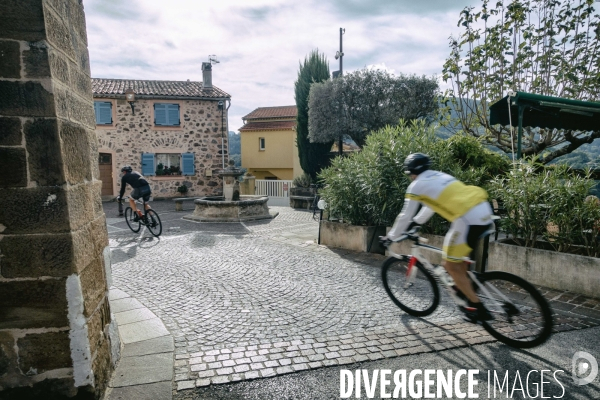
(80, 346)
(51, 199)
(2, 228)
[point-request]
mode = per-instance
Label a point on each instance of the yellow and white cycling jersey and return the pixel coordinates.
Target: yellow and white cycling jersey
(443, 194)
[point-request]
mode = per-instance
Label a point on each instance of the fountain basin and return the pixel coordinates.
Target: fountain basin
(217, 209)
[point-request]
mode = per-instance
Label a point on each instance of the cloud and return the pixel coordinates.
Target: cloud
(259, 44)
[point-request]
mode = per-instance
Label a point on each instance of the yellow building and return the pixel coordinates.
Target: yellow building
(268, 143)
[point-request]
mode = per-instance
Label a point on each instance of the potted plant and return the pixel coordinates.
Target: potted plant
(301, 194)
(183, 189)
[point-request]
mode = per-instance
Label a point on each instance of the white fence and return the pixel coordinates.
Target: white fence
(278, 191)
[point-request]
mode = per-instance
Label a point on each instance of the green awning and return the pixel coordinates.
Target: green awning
(546, 112)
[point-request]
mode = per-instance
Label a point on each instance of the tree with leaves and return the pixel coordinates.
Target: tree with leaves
(545, 47)
(367, 100)
(313, 156)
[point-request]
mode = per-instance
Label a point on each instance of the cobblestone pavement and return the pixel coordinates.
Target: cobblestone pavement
(259, 299)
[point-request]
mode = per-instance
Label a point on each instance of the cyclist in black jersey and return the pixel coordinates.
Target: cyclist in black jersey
(140, 186)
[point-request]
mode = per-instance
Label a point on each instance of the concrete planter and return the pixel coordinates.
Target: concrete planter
(351, 237)
(301, 198)
(562, 271)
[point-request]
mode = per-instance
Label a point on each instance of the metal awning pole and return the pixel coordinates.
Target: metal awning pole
(520, 131)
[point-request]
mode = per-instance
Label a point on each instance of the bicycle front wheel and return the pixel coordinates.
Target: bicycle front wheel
(130, 219)
(153, 223)
(522, 316)
(414, 289)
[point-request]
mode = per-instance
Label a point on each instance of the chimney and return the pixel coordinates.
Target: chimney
(207, 75)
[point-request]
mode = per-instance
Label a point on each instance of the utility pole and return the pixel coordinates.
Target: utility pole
(340, 73)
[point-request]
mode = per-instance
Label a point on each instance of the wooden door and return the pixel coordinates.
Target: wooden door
(105, 163)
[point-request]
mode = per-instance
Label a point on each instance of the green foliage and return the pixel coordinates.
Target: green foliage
(537, 198)
(368, 187)
(367, 100)
(182, 189)
(544, 47)
(313, 156)
(470, 152)
(302, 181)
(234, 143)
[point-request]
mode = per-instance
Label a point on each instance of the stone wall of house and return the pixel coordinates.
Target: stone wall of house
(56, 333)
(200, 133)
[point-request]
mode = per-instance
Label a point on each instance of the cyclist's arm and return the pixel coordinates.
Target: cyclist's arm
(404, 219)
(424, 215)
(123, 184)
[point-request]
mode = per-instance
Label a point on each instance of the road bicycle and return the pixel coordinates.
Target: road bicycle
(522, 317)
(150, 219)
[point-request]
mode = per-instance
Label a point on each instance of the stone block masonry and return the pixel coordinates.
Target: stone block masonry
(55, 319)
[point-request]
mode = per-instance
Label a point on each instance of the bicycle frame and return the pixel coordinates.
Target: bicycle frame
(417, 256)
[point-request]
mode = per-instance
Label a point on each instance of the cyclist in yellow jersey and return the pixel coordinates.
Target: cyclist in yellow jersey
(467, 209)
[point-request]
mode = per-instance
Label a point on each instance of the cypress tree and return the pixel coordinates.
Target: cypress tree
(313, 156)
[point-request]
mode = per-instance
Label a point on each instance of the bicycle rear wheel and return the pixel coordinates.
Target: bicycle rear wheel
(153, 222)
(131, 223)
(413, 289)
(522, 316)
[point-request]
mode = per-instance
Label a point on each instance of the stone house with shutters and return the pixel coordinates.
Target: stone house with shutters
(174, 133)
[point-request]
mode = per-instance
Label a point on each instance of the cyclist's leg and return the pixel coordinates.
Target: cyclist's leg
(455, 249)
(135, 195)
(146, 192)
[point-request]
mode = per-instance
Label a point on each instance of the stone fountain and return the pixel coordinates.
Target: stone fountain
(231, 207)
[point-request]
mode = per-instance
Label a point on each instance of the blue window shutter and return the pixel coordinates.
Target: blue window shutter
(148, 164)
(103, 110)
(97, 112)
(172, 114)
(160, 114)
(187, 164)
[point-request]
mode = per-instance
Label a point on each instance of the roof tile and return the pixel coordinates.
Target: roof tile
(272, 112)
(117, 87)
(268, 126)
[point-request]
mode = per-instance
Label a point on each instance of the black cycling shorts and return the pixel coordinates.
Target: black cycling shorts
(142, 191)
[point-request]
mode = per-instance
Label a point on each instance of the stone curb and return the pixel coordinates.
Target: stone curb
(145, 370)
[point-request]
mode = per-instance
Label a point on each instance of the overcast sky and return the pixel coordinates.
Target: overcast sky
(260, 43)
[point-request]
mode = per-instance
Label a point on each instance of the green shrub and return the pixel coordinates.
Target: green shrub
(535, 196)
(182, 189)
(470, 153)
(302, 181)
(368, 187)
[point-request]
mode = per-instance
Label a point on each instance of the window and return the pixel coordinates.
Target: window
(103, 110)
(166, 164)
(166, 114)
(261, 143)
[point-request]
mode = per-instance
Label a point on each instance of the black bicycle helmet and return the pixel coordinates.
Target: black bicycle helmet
(416, 163)
(126, 168)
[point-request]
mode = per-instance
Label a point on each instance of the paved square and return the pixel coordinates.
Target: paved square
(258, 299)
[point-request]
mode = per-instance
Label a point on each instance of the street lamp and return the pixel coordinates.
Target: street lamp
(130, 97)
(340, 55)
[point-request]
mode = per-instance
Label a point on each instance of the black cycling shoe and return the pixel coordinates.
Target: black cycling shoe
(477, 312)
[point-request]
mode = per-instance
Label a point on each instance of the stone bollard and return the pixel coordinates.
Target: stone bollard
(178, 205)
